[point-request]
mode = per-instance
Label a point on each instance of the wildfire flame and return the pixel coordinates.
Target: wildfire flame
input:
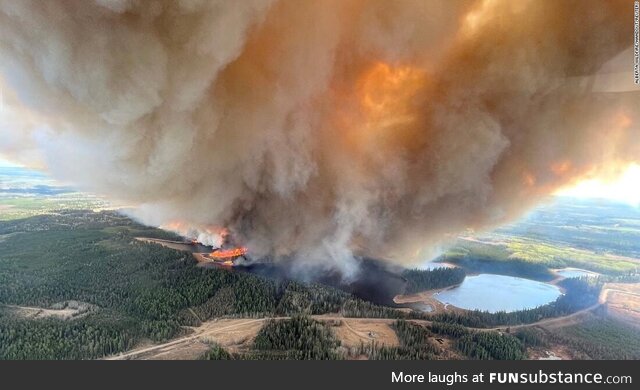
(207, 235)
(228, 253)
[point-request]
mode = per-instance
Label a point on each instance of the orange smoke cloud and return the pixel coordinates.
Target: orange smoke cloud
(312, 128)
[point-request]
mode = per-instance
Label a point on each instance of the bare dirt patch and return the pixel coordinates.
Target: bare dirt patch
(190, 350)
(554, 352)
(63, 310)
(236, 338)
(622, 301)
(427, 298)
(233, 334)
(632, 288)
(354, 332)
(166, 243)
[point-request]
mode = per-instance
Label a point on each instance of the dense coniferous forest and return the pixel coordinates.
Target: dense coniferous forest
(216, 352)
(532, 337)
(136, 290)
(597, 338)
(48, 339)
(480, 263)
(482, 344)
(132, 291)
(415, 341)
(490, 346)
(423, 280)
(299, 338)
(448, 329)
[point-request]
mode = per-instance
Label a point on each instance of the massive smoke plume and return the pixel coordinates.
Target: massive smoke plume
(319, 129)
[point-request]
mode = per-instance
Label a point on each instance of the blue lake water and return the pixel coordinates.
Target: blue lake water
(575, 273)
(493, 293)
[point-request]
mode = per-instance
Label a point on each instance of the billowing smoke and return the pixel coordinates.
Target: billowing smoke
(320, 129)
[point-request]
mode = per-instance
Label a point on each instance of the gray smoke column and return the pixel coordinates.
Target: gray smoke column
(319, 129)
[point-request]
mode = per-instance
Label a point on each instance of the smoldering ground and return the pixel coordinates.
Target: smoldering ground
(318, 129)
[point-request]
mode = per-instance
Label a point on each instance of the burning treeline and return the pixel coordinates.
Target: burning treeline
(220, 239)
(316, 129)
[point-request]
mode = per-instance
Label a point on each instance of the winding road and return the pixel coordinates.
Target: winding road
(208, 329)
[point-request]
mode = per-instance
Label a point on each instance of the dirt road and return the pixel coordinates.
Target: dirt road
(200, 332)
(568, 319)
(555, 321)
(211, 329)
(41, 313)
(359, 328)
(214, 328)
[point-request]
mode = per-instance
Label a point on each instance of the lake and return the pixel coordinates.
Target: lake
(493, 293)
(575, 273)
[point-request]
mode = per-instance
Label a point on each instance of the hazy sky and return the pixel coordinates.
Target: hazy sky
(6, 163)
(625, 188)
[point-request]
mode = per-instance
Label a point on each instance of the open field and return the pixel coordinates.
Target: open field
(623, 302)
(232, 334)
(166, 243)
(352, 332)
(236, 335)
